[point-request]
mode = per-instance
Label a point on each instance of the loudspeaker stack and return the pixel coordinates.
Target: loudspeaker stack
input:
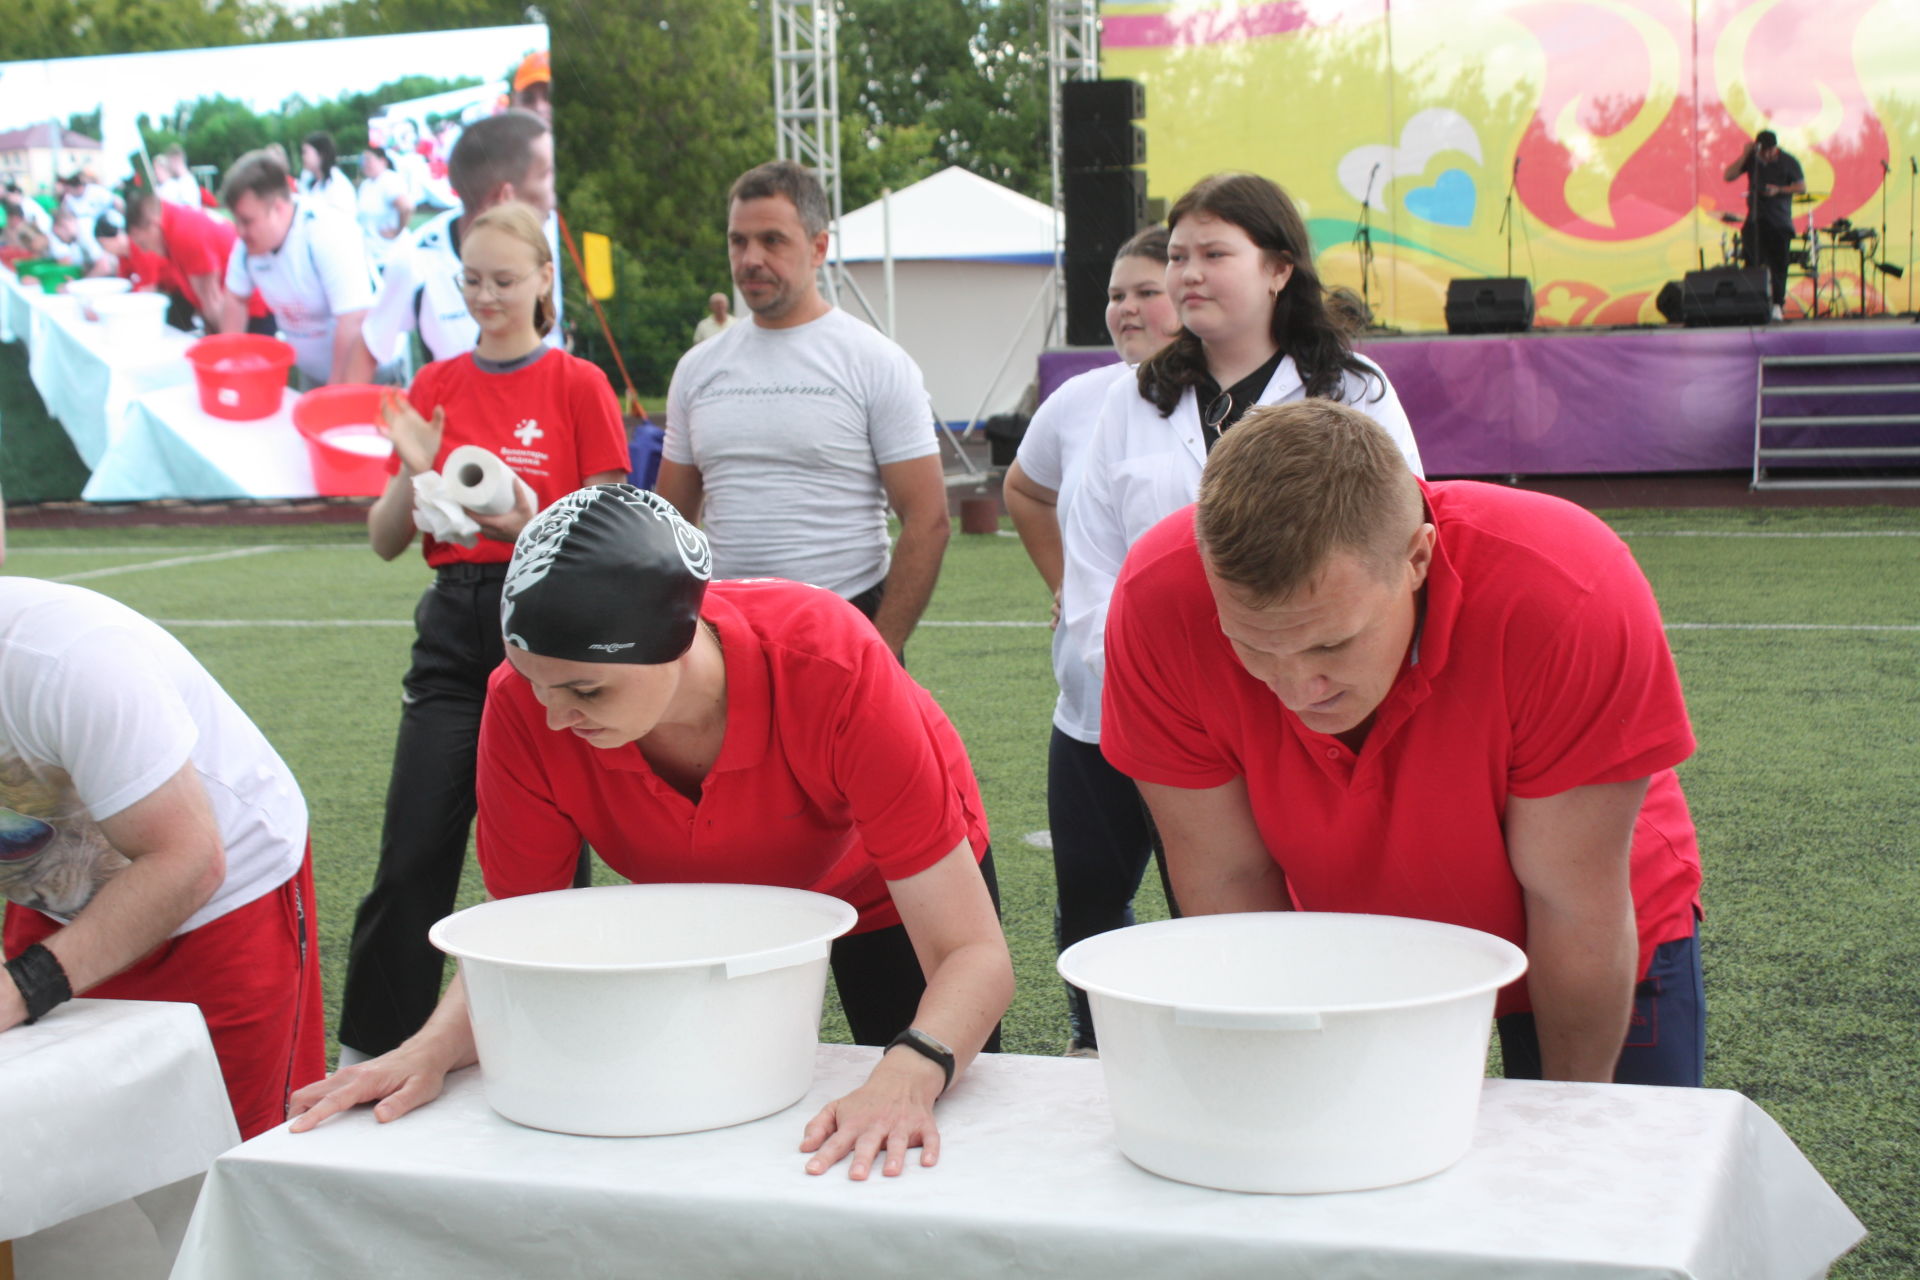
(1105, 192)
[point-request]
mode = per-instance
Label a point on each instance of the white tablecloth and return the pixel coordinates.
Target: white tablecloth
(168, 447)
(101, 1101)
(87, 378)
(16, 308)
(1563, 1181)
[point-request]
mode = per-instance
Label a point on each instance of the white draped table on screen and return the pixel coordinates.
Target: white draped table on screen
(86, 377)
(1563, 1180)
(169, 447)
(101, 1101)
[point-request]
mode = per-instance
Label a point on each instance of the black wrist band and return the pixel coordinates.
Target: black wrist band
(42, 982)
(927, 1047)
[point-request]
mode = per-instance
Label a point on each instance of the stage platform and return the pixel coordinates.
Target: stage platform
(1565, 402)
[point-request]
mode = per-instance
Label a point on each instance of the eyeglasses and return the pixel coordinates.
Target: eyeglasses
(1219, 409)
(473, 286)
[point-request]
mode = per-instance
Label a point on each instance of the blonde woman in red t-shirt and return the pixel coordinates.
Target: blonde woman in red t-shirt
(553, 419)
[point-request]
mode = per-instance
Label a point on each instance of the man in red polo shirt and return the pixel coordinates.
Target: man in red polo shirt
(182, 251)
(1345, 689)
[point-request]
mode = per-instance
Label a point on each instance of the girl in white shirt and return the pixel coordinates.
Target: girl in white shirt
(1102, 836)
(320, 176)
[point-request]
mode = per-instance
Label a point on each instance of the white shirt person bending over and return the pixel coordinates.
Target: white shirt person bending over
(307, 260)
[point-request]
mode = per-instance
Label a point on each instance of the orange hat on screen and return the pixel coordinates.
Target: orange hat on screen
(533, 70)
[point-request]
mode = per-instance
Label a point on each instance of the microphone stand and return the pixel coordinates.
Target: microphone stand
(1363, 237)
(1506, 215)
(1886, 180)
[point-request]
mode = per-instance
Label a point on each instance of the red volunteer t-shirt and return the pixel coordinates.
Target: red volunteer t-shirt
(196, 245)
(837, 772)
(555, 422)
(1541, 665)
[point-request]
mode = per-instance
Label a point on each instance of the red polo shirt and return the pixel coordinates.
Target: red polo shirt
(555, 422)
(195, 244)
(837, 772)
(1540, 665)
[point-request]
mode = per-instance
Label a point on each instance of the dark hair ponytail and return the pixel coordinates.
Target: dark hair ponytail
(1301, 326)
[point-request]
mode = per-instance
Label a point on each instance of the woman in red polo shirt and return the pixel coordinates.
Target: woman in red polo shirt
(554, 420)
(756, 732)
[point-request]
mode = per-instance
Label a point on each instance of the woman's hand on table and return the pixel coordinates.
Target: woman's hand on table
(891, 1113)
(415, 439)
(395, 1083)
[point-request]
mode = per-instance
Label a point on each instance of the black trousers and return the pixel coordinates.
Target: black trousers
(1102, 839)
(879, 978)
(393, 972)
(1767, 246)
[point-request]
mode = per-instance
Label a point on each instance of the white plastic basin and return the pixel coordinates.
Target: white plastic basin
(130, 316)
(646, 1009)
(1293, 1051)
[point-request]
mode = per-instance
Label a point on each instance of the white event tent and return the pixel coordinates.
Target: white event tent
(971, 295)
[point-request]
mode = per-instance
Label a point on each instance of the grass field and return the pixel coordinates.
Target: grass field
(1798, 638)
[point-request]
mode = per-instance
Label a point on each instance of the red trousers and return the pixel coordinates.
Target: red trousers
(254, 972)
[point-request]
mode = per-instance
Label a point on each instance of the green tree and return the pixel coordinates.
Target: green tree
(658, 106)
(937, 82)
(395, 17)
(83, 28)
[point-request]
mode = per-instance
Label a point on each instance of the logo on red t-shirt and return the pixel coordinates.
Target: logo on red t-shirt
(528, 431)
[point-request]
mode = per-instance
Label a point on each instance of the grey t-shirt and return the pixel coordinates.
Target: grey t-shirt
(789, 429)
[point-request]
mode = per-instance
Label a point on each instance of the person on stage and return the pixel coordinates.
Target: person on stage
(1773, 180)
(552, 418)
(1344, 689)
(1102, 838)
(752, 732)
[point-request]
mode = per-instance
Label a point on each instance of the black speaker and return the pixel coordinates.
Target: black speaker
(1101, 144)
(1086, 284)
(1725, 296)
(1102, 100)
(1668, 302)
(1496, 305)
(1104, 208)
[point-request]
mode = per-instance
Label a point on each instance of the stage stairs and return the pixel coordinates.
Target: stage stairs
(1870, 380)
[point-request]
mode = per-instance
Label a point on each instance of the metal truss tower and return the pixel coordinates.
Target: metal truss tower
(1073, 53)
(806, 102)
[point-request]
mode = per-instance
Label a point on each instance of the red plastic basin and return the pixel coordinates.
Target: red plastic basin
(340, 426)
(240, 375)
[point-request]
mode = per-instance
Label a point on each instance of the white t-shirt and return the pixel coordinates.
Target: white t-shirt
(36, 215)
(789, 429)
(337, 191)
(319, 271)
(379, 213)
(420, 292)
(1051, 454)
(98, 708)
(1141, 468)
(180, 190)
(710, 328)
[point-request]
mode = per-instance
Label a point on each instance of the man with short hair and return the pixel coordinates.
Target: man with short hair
(183, 252)
(1773, 180)
(788, 438)
(716, 321)
(306, 261)
(28, 210)
(1342, 688)
(502, 157)
(153, 846)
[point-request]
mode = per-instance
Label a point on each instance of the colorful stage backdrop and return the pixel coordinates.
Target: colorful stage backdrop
(1610, 121)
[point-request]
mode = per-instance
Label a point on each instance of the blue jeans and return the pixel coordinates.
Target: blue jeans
(1667, 1037)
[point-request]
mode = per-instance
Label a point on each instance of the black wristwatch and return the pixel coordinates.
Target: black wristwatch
(927, 1047)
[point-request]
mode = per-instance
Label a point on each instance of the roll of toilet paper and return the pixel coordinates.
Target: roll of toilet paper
(479, 481)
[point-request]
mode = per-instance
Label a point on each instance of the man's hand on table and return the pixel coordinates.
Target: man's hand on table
(13, 1006)
(893, 1111)
(396, 1082)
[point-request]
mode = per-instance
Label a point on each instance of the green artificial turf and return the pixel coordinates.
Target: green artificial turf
(1800, 653)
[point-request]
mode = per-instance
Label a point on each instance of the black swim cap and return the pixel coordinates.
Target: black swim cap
(609, 573)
